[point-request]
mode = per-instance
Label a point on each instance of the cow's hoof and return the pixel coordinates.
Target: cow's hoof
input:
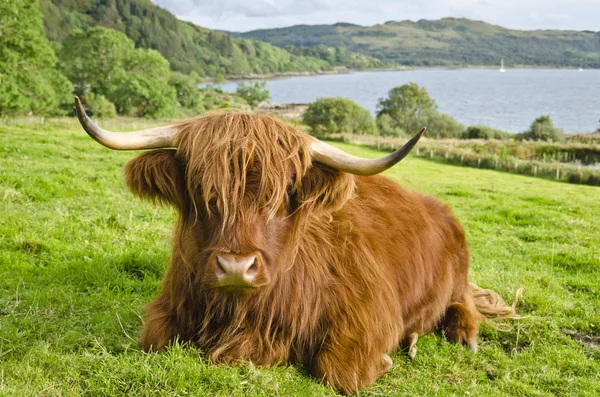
(473, 346)
(412, 347)
(386, 364)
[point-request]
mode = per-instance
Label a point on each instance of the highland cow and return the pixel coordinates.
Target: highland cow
(290, 251)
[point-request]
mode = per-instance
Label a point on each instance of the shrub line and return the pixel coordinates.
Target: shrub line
(452, 154)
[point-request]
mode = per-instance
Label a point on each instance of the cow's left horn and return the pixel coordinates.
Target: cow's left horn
(153, 138)
(342, 161)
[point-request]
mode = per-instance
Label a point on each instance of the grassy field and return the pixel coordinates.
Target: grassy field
(79, 258)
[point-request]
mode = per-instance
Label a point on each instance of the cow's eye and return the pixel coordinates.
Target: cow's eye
(213, 206)
(291, 204)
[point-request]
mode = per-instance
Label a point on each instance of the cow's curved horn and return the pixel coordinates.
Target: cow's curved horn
(154, 138)
(342, 161)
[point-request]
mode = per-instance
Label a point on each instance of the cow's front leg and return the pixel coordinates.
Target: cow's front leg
(160, 327)
(349, 369)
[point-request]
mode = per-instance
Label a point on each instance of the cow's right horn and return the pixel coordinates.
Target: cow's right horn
(335, 158)
(153, 138)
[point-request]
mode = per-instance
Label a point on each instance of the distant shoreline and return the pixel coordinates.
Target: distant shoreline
(340, 71)
(284, 75)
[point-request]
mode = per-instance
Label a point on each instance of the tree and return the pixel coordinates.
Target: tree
(542, 129)
(105, 63)
(405, 106)
(186, 89)
(332, 115)
(254, 92)
(388, 126)
(92, 59)
(29, 81)
(219, 79)
(187, 47)
(142, 87)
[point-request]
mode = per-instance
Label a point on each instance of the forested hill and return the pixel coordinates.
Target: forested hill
(446, 42)
(187, 47)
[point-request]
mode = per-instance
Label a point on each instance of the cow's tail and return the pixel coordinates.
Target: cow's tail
(490, 304)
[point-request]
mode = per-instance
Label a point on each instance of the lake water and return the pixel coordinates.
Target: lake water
(509, 101)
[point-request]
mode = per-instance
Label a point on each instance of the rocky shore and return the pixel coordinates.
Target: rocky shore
(286, 111)
(283, 75)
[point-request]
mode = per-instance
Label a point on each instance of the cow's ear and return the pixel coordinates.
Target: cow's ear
(157, 175)
(324, 189)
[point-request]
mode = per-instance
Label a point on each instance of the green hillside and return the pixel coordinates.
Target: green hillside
(339, 56)
(187, 47)
(446, 42)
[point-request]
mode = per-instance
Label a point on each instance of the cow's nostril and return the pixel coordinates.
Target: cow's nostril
(219, 270)
(252, 270)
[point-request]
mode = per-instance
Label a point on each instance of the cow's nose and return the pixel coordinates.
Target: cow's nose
(236, 270)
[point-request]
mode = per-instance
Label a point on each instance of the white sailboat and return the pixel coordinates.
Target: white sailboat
(502, 70)
(580, 68)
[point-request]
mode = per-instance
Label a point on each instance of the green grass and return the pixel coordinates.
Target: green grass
(79, 258)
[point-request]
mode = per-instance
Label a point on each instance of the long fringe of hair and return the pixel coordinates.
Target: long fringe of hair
(221, 150)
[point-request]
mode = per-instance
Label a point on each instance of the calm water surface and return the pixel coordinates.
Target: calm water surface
(509, 101)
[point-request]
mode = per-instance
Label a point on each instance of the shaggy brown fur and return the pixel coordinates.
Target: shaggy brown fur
(349, 266)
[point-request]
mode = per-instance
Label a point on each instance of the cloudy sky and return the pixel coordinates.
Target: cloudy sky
(244, 15)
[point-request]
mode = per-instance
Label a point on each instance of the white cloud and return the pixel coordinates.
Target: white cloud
(244, 15)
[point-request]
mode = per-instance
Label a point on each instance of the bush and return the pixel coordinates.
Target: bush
(254, 92)
(333, 115)
(98, 106)
(440, 125)
(542, 129)
(485, 132)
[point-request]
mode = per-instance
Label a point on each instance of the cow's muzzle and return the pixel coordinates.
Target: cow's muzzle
(236, 271)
